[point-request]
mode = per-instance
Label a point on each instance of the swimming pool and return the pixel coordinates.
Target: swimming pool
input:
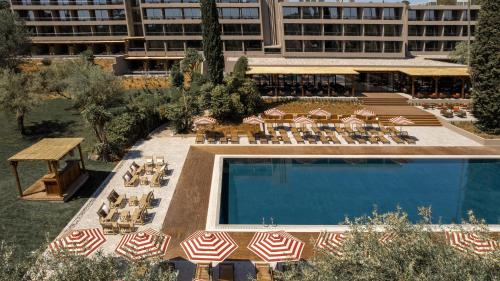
(323, 191)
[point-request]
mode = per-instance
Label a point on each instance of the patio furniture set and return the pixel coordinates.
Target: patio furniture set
(138, 174)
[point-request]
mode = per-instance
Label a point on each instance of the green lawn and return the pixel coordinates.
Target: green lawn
(29, 224)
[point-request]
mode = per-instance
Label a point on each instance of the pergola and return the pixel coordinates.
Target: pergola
(436, 73)
(58, 184)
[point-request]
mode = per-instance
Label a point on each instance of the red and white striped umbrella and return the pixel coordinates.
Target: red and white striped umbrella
(364, 112)
(320, 113)
(471, 241)
(253, 120)
(204, 120)
(143, 244)
(331, 241)
(276, 246)
(208, 246)
(79, 241)
(303, 120)
(401, 120)
(352, 120)
(274, 112)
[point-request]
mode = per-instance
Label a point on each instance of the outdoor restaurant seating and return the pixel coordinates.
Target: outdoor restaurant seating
(116, 200)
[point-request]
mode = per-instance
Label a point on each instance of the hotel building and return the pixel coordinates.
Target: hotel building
(152, 34)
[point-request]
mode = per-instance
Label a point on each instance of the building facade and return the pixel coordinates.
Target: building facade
(158, 31)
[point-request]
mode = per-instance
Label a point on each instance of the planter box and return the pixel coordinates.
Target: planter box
(472, 136)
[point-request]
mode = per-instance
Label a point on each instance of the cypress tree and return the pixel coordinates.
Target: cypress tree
(212, 44)
(485, 68)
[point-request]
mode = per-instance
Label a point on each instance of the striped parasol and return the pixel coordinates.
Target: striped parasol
(276, 246)
(274, 112)
(352, 120)
(253, 120)
(364, 112)
(204, 120)
(79, 241)
(401, 120)
(320, 113)
(142, 245)
(303, 120)
(471, 242)
(331, 242)
(208, 246)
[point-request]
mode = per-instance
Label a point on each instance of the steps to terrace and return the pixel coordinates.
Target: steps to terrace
(389, 105)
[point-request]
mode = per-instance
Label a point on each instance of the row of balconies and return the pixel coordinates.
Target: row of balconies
(64, 2)
(195, 29)
(342, 30)
(195, 13)
(337, 46)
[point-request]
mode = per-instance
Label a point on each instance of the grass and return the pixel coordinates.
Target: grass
(469, 126)
(28, 224)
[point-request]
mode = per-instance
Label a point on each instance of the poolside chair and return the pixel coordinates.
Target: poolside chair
(136, 169)
(203, 272)
(149, 165)
(264, 272)
(157, 176)
(348, 139)
(251, 138)
(147, 200)
(396, 139)
(298, 138)
(324, 140)
(226, 272)
(360, 139)
(159, 161)
(263, 138)
(130, 180)
(383, 139)
(339, 129)
(106, 214)
(210, 138)
(116, 200)
(126, 227)
(200, 138)
(225, 136)
(409, 139)
(311, 139)
(234, 137)
(109, 227)
(139, 216)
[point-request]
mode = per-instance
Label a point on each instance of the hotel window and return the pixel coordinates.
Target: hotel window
(156, 45)
(415, 30)
(371, 13)
(156, 1)
(99, 2)
(172, 13)
(451, 30)
(415, 46)
(252, 45)
(449, 46)
(392, 30)
(451, 15)
(331, 13)
(464, 30)
(83, 14)
(192, 29)
(118, 14)
(313, 46)
(312, 29)
(473, 15)
(333, 29)
(293, 46)
(350, 13)
(81, 2)
(391, 14)
(251, 29)
(102, 30)
(310, 13)
(230, 13)
(373, 47)
(373, 30)
(153, 14)
(64, 15)
(175, 45)
(154, 29)
(293, 29)
(431, 46)
(45, 15)
(63, 2)
(233, 45)
(232, 29)
(432, 30)
(249, 13)
(119, 29)
(194, 44)
(83, 30)
(415, 15)
(65, 30)
(47, 31)
(430, 15)
(192, 13)
(291, 12)
(173, 29)
(101, 15)
(333, 46)
(352, 29)
(44, 2)
(392, 47)
(352, 46)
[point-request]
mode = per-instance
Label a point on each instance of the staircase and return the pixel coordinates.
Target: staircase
(395, 101)
(419, 120)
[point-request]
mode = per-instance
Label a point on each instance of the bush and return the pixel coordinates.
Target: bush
(46, 62)
(240, 67)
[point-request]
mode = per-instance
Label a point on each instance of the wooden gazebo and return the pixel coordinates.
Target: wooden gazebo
(60, 183)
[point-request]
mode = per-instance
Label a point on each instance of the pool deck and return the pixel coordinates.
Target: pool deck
(188, 208)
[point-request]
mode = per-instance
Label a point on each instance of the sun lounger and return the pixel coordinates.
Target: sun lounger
(360, 139)
(373, 139)
(251, 138)
(139, 216)
(339, 129)
(106, 214)
(274, 139)
(264, 272)
(234, 137)
(136, 169)
(324, 139)
(202, 272)
(224, 138)
(316, 130)
(146, 200)
(126, 227)
(312, 139)
(396, 139)
(263, 138)
(110, 227)
(409, 139)
(298, 138)
(348, 139)
(116, 200)
(159, 161)
(149, 164)
(200, 138)
(157, 176)
(226, 272)
(130, 180)
(383, 139)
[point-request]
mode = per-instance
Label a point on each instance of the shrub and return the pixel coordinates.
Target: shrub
(46, 62)
(240, 67)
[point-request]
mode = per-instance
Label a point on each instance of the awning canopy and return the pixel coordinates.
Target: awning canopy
(432, 71)
(50, 149)
(302, 70)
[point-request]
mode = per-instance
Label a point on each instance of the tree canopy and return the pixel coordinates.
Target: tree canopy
(212, 43)
(14, 39)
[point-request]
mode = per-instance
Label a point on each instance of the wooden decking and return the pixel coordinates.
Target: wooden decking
(188, 209)
(37, 190)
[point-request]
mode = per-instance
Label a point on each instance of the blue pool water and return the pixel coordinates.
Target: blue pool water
(325, 191)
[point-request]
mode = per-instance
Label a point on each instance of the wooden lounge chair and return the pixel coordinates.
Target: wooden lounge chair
(126, 227)
(348, 139)
(110, 227)
(202, 272)
(409, 139)
(136, 169)
(210, 138)
(226, 272)
(116, 200)
(311, 139)
(323, 139)
(383, 139)
(360, 139)
(106, 214)
(234, 137)
(200, 138)
(264, 272)
(159, 161)
(396, 139)
(333, 138)
(149, 165)
(146, 200)
(373, 139)
(158, 176)
(316, 130)
(263, 138)
(139, 216)
(130, 180)
(224, 137)
(274, 138)
(298, 138)
(251, 138)
(339, 129)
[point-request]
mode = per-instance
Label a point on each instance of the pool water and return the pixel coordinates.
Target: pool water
(324, 191)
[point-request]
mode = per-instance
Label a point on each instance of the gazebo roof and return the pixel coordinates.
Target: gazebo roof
(49, 149)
